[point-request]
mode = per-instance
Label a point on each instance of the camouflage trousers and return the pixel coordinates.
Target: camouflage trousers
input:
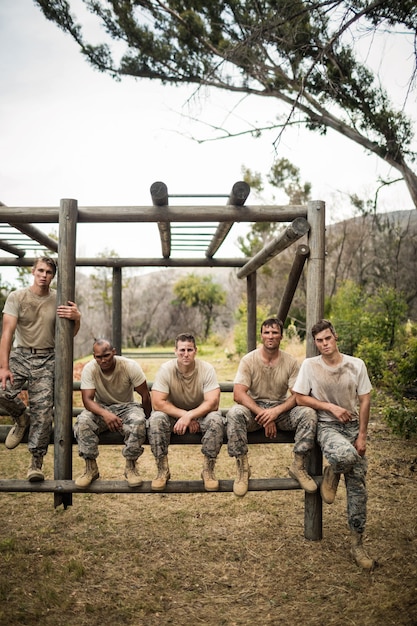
(240, 421)
(38, 371)
(160, 426)
(88, 427)
(336, 441)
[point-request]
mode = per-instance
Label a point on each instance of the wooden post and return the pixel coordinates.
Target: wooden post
(292, 282)
(159, 195)
(64, 349)
(251, 304)
(315, 270)
(313, 509)
(117, 309)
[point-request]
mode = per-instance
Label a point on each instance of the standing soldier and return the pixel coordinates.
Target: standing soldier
(29, 316)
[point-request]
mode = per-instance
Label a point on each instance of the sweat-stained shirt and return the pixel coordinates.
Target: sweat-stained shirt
(339, 385)
(116, 387)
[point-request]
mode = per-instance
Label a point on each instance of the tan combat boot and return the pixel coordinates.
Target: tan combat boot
(35, 473)
(160, 482)
(241, 483)
(358, 551)
(329, 485)
(210, 481)
(91, 473)
(299, 472)
(15, 434)
(132, 474)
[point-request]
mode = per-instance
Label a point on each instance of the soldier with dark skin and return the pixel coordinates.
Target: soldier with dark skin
(108, 384)
(29, 317)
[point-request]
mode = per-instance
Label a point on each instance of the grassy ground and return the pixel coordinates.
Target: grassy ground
(209, 559)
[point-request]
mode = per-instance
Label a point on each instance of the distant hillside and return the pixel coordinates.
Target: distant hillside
(372, 251)
(375, 250)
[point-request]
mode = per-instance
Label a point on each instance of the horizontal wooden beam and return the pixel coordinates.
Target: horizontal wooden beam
(136, 262)
(148, 214)
(193, 439)
(121, 486)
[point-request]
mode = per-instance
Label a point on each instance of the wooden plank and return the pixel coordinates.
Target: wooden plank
(121, 486)
(294, 231)
(114, 439)
(147, 214)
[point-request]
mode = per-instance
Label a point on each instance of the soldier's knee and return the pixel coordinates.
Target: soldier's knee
(157, 420)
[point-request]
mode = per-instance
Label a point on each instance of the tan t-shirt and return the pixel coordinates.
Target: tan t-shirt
(36, 317)
(185, 392)
(267, 383)
(116, 387)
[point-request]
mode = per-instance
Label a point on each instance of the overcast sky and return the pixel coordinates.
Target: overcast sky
(67, 131)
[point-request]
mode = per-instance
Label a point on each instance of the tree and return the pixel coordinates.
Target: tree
(202, 293)
(359, 316)
(300, 52)
(283, 175)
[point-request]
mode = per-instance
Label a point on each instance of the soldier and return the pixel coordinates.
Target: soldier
(261, 386)
(29, 315)
(185, 396)
(337, 386)
(107, 386)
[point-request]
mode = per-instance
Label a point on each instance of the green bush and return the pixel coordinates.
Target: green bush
(374, 355)
(402, 419)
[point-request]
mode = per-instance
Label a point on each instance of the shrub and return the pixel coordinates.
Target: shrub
(374, 355)
(402, 419)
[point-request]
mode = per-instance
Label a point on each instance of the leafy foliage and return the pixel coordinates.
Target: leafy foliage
(202, 293)
(359, 316)
(374, 328)
(300, 53)
(241, 328)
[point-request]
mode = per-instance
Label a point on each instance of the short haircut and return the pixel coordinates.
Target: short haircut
(45, 259)
(323, 325)
(185, 337)
(101, 341)
(273, 321)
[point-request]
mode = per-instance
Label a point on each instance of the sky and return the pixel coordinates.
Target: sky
(67, 131)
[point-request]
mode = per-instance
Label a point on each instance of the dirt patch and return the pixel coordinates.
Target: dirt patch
(208, 559)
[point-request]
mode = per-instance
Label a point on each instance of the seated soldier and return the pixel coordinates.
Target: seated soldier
(107, 386)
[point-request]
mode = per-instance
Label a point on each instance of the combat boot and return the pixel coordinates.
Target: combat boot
(358, 551)
(329, 485)
(35, 473)
(210, 481)
(91, 473)
(132, 473)
(160, 482)
(241, 483)
(15, 434)
(299, 472)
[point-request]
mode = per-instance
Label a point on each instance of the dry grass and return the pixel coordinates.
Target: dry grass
(208, 559)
